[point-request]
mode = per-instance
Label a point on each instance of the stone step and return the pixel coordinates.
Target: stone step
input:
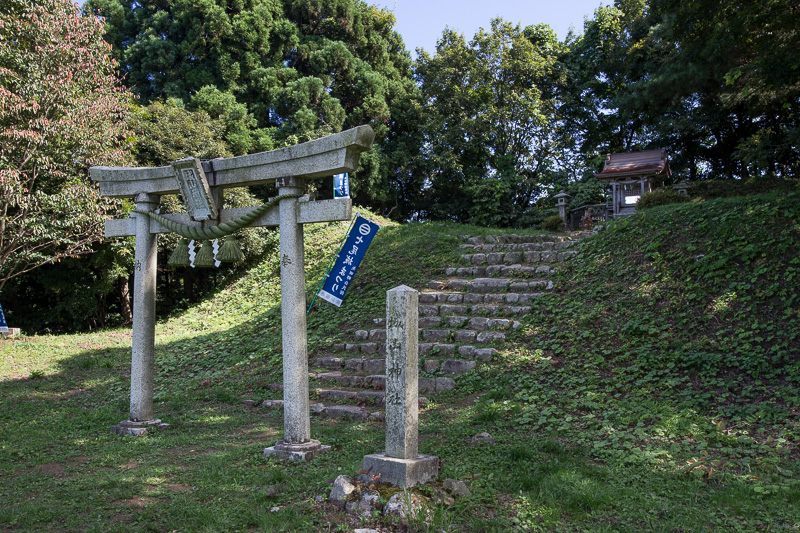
(378, 381)
(512, 258)
(484, 285)
(501, 270)
(332, 411)
(424, 348)
(473, 298)
(378, 365)
(370, 397)
(478, 323)
(515, 239)
(516, 247)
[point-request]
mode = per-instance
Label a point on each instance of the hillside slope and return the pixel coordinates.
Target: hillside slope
(656, 387)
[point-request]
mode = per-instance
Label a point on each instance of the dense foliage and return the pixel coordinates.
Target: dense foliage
(488, 125)
(60, 112)
(716, 84)
(276, 72)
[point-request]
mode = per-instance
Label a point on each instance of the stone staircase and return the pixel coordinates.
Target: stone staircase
(464, 318)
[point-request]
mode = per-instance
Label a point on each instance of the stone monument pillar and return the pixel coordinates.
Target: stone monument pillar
(401, 464)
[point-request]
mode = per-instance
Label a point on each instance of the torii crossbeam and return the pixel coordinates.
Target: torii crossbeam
(288, 168)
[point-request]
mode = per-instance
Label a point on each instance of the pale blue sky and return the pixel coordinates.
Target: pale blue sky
(421, 22)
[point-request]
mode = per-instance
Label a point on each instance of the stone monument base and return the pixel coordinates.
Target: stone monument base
(297, 452)
(403, 472)
(137, 428)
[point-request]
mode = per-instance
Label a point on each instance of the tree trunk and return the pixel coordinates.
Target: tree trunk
(124, 301)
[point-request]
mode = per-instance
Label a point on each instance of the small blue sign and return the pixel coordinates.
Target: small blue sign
(348, 260)
(341, 186)
(3, 325)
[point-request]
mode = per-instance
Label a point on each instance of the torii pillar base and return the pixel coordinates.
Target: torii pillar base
(136, 428)
(297, 452)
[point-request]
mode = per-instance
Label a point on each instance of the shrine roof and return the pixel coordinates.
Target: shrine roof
(632, 164)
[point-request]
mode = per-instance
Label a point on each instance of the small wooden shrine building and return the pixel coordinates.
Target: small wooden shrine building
(631, 175)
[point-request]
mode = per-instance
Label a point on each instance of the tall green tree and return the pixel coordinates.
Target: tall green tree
(277, 71)
(61, 110)
(489, 122)
(734, 69)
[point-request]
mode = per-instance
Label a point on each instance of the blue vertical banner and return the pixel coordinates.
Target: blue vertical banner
(355, 246)
(3, 325)
(341, 186)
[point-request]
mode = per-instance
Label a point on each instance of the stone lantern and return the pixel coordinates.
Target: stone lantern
(562, 199)
(682, 188)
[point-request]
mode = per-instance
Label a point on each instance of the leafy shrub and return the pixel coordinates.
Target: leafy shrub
(553, 223)
(660, 197)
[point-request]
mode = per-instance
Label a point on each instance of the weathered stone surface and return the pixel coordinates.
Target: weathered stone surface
(369, 502)
(490, 336)
(402, 371)
(249, 403)
(494, 298)
(345, 411)
(484, 354)
(513, 257)
(456, 321)
(483, 439)
(376, 381)
(304, 451)
(457, 366)
(488, 284)
(466, 351)
(427, 384)
(354, 365)
(457, 284)
(377, 335)
(478, 323)
(403, 472)
(352, 347)
(374, 397)
(443, 349)
(457, 488)
(362, 335)
(447, 309)
(425, 347)
(473, 298)
(430, 321)
(512, 297)
(443, 384)
(329, 362)
(428, 297)
(270, 404)
(369, 348)
(327, 394)
(465, 335)
(454, 298)
(429, 365)
(436, 335)
(342, 488)
(428, 310)
(375, 366)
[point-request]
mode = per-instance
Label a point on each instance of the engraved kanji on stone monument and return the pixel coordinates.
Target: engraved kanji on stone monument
(402, 464)
(289, 169)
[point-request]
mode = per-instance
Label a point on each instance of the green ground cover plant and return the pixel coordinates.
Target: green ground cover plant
(656, 389)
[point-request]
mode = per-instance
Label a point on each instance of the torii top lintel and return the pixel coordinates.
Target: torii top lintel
(319, 158)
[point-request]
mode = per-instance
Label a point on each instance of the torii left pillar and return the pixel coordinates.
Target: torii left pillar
(144, 319)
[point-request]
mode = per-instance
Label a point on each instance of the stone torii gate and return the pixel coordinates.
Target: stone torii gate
(202, 184)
